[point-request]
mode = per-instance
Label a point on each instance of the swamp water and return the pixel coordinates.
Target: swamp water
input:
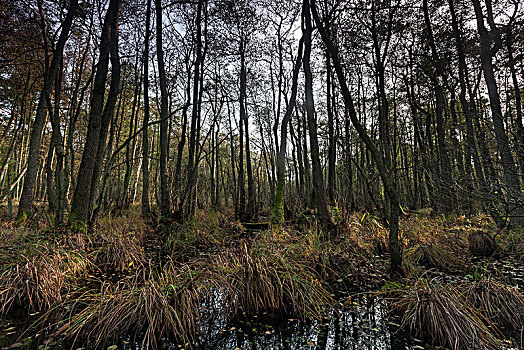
(363, 325)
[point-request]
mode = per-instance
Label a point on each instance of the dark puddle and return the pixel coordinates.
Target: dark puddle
(363, 325)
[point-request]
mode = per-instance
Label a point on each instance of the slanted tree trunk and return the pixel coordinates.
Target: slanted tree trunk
(436, 75)
(33, 159)
(278, 206)
(518, 101)
(487, 52)
(241, 211)
(57, 191)
(318, 179)
(165, 203)
(186, 204)
(467, 110)
(331, 135)
(390, 190)
(146, 207)
(81, 204)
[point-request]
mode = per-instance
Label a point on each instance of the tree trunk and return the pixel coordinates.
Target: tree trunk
(33, 160)
(394, 246)
(146, 207)
(278, 206)
(486, 55)
(165, 203)
(81, 203)
(331, 135)
(446, 202)
(186, 203)
(318, 179)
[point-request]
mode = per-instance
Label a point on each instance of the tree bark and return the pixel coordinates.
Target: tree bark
(318, 179)
(146, 207)
(394, 246)
(81, 204)
(278, 206)
(487, 52)
(165, 203)
(33, 160)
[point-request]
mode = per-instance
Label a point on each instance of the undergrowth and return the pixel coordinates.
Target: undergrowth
(117, 281)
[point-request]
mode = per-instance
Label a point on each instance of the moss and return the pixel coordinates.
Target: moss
(76, 223)
(22, 217)
(278, 207)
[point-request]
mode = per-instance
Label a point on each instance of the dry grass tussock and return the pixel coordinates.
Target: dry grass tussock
(430, 255)
(175, 300)
(442, 315)
(41, 281)
(481, 243)
(267, 278)
(152, 306)
(120, 241)
(215, 263)
(131, 222)
(422, 228)
(206, 229)
(501, 304)
(120, 252)
(366, 232)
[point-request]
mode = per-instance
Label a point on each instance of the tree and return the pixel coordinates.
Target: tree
(33, 161)
(390, 191)
(99, 118)
(491, 43)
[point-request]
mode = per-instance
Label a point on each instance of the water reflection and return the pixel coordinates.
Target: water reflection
(364, 325)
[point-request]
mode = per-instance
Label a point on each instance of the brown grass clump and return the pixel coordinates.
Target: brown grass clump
(501, 304)
(120, 252)
(178, 299)
(265, 278)
(149, 307)
(421, 228)
(442, 315)
(131, 221)
(121, 241)
(205, 229)
(366, 232)
(41, 281)
(480, 243)
(431, 255)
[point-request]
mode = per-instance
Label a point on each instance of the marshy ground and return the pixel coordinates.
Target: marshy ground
(213, 284)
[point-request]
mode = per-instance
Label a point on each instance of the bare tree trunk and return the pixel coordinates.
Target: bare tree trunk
(81, 203)
(447, 201)
(486, 55)
(146, 207)
(391, 192)
(165, 203)
(191, 173)
(278, 206)
(331, 135)
(518, 101)
(57, 192)
(33, 160)
(318, 179)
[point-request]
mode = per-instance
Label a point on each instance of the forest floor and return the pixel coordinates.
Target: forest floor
(190, 285)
